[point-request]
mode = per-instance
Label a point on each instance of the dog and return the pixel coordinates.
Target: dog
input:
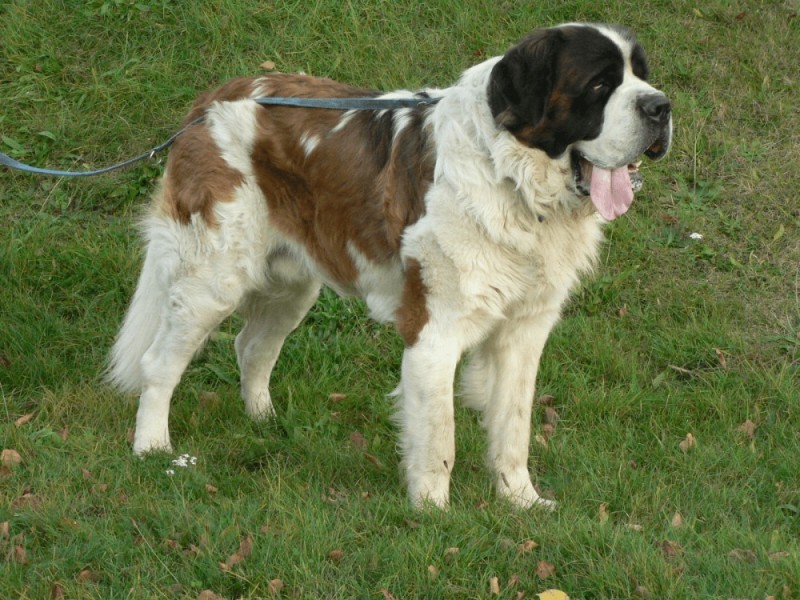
(465, 223)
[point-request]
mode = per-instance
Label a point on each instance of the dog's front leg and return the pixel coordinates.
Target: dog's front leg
(508, 362)
(426, 418)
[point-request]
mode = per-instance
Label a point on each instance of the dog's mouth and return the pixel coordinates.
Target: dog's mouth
(611, 189)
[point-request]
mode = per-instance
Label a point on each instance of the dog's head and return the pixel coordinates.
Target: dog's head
(583, 89)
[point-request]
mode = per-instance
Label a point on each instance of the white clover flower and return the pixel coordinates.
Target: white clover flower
(696, 236)
(170, 472)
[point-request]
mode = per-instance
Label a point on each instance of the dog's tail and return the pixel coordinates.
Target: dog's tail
(144, 317)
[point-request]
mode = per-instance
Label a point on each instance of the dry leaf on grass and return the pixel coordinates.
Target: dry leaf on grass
(433, 572)
(336, 555)
(527, 546)
(208, 595)
(358, 440)
(671, 549)
(551, 416)
(552, 595)
(688, 443)
(743, 555)
(245, 548)
(494, 586)
(387, 595)
(24, 419)
(602, 512)
(57, 592)
(677, 520)
(64, 434)
(268, 65)
(211, 489)
(748, 428)
(10, 457)
(275, 586)
(86, 575)
(20, 556)
(336, 397)
(450, 553)
(544, 569)
(5, 530)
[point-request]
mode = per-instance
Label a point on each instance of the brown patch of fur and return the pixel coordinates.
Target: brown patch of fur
(355, 188)
(413, 313)
(197, 177)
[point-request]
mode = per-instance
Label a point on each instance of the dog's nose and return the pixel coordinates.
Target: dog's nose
(655, 107)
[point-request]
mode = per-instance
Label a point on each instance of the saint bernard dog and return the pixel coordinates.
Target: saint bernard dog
(465, 223)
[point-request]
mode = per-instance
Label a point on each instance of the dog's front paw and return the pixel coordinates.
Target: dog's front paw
(154, 441)
(518, 489)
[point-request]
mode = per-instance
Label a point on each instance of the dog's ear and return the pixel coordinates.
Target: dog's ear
(521, 83)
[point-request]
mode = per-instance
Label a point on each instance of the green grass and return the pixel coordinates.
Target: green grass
(673, 336)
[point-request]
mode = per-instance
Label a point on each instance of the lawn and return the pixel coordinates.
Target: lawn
(668, 415)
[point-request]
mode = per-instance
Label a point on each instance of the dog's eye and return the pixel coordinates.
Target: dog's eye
(599, 86)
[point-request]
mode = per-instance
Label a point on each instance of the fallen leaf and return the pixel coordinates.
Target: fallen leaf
(27, 499)
(552, 595)
(544, 569)
(268, 65)
(540, 439)
(778, 555)
(527, 546)
(433, 572)
(10, 458)
(86, 473)
(24, 419)
(677, 520)
(671, 549)
(336, 555)
(85, 576)
(387, 595)
(494, 586)
(56, 592)
(723, 362)
(275, 586)
(246, 546)
(623, 312)
(20, 556)
(211, 489)
(602, 512)
(358, 440)
(743, 555)
(192, 550)
(450, 553)
(336, 397)
(688, 443)
(64, 434)
(5, 530)
(748, 428)
(551, 416)
(208, 595)
(373, 459)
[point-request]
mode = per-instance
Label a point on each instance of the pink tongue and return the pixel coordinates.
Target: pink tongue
(612, 192)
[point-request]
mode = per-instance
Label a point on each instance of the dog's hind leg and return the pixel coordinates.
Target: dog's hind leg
(196, 306)
(270, 317)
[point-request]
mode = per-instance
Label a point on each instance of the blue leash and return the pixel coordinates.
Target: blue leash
(326, 103)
